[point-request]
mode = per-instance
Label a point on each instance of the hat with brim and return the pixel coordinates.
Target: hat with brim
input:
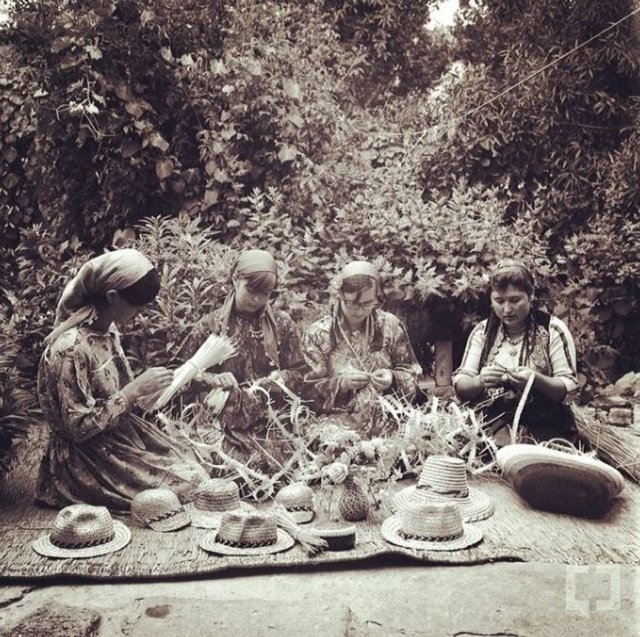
(444, 479)
(160, 510)
(558, 481)
(242, 533)
(82, 531)
(213, 498)
(297, 498)
(430, 527)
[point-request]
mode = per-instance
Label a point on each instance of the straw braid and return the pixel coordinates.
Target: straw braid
(71, 545)
(423, 538)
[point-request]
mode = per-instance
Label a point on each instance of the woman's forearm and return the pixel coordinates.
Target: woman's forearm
(468, 387)
(550, 386)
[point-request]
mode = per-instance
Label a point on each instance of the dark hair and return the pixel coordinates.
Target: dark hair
(511, 272)
(263, 282)
(506, 273)
(358, 283)
(144, 290)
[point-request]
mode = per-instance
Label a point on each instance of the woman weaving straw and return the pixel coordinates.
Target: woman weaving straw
(359, 351)
(268, 367)
(516, 342)
(99, 452)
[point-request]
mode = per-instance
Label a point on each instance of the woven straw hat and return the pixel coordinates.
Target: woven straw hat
(82, 530)
(297, 499)
(247, 533)
(212, 498)
(444, 479)
(159, 509)
(560, 481)
(427, 526)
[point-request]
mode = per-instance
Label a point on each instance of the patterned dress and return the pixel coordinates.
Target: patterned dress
(330, 351)
(552, 353)
(98, 452)
(242, 424)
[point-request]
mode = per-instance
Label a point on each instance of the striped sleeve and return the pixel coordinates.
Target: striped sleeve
(470, 365)
(562, 354)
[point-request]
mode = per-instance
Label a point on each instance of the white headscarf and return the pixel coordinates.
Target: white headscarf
(115, 270)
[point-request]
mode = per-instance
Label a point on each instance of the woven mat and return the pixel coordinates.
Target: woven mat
(514, 533)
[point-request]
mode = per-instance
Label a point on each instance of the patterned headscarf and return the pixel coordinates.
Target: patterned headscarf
(250, 262)
(115, 270)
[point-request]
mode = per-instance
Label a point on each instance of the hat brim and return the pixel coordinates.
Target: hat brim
(560, 482)
(391, 527)
(202, 519)
(173, 523)
(474, 507)
(301, 517)
(43, 545)
(210, 544)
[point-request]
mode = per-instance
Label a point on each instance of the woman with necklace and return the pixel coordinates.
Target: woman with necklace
(359, 351)
(268, 367)
(513, 344)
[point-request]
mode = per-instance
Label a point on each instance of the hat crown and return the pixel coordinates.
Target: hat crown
(80, 525)
(153, 505)
(295, 495)
(437, 521)
(217, 495)
(247, 529)
(444, 475)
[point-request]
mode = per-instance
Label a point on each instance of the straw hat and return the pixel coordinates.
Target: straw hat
(247, 533)
(213, 498)
(159, 509)
(82, 530)
(297, 499)
(559, 481)
(444, 479)
(434, 526)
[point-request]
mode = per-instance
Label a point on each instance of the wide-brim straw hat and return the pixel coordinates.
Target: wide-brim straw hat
(430, 527)
(297, 498)
(160, 510)
(560, 481)
(444, 479)
(213, 498)
(235, 524)
(82, 531)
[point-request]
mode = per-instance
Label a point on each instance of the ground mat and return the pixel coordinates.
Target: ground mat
(514, 533)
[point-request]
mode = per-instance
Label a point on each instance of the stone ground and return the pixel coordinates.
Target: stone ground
(390, 597)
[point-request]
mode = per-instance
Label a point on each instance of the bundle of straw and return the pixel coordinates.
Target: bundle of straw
(619, 446)
(310, 542)
(215, 350)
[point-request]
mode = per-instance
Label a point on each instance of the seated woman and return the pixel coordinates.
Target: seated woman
(359, 351)
(504, 350)
(99, 452)
(268, 356)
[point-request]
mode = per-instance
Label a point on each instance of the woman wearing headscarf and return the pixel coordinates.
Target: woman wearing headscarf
(99, 451)
(359, 351)
(268, 367)
(515, 343)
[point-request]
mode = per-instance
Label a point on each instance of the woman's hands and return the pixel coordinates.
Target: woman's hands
(382, 379)
(226, 380)
(518, 377)
(493, 376)
(150, 383)
(352, 380)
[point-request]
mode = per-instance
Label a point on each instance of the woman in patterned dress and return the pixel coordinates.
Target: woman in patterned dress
(503, 351)
(99, 451)
(267, 370)
(358, 352)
